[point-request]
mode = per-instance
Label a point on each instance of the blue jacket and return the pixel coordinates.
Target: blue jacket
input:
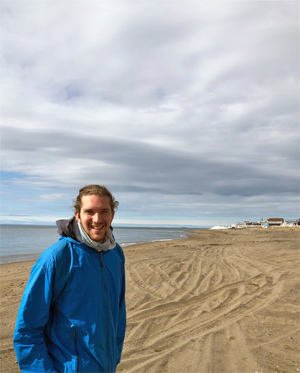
(72, 317)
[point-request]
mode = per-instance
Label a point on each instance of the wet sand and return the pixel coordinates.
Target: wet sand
(221, 301)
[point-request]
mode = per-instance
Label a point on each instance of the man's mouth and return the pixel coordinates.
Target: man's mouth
(97, 227)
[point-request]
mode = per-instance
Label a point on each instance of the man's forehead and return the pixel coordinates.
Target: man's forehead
(95, 200)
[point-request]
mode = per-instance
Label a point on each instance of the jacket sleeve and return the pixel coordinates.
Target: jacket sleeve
(47, 279)
(122, 312)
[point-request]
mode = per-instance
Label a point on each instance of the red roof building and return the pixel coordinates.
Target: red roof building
(275, 221)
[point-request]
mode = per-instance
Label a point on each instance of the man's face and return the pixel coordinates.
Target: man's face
(95, 216)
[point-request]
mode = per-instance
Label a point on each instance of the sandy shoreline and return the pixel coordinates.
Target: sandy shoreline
(218, 301)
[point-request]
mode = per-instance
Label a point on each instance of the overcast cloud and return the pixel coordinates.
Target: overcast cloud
(188, 111)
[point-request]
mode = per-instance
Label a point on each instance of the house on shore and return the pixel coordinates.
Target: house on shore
(273, 222)
(265, 223)
(252, 223)
(296, 222)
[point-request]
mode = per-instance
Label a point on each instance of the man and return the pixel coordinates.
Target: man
(72, 317)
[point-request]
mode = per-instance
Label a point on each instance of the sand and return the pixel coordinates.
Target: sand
(222, 301)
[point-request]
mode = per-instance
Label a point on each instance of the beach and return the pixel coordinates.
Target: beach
(219, 301)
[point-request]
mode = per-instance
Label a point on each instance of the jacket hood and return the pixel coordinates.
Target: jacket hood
(65, 228)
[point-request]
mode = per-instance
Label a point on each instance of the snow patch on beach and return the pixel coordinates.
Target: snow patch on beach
(218, 227)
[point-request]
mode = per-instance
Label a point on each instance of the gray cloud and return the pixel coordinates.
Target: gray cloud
(144, 166)
(195, 103)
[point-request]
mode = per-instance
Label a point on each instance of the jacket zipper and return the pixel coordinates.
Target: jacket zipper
(107, 308)
(76, 351)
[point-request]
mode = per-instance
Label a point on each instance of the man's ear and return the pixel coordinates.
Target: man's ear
(113, 215)
(77, 216)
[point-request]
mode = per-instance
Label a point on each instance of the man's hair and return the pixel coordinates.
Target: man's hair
(92, 189)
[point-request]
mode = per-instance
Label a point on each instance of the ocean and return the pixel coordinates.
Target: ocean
(26, 242)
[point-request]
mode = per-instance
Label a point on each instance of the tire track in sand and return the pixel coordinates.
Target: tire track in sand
(195, 305)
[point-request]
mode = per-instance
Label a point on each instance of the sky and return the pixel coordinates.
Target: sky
(188, 111)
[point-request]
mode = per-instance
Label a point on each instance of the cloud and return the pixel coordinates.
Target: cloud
(166, 101)
(64, 158)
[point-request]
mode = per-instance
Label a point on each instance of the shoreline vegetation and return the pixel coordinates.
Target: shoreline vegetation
(218, 301)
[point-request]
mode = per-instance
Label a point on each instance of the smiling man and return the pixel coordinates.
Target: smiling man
(72, 317)
(95, 216)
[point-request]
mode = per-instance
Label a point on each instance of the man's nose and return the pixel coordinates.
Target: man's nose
(97, 217)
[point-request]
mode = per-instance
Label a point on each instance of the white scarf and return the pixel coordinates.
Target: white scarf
(82, 236)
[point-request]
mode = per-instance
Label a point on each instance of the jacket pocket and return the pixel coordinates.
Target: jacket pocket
(76, 352)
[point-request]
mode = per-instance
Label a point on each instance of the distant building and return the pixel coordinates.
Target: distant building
(296, 222)
(275, 221)
(251, 223)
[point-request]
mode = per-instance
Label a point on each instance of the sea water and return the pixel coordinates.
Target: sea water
(26, 242)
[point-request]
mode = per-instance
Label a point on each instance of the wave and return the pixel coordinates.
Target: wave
(136, 243)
